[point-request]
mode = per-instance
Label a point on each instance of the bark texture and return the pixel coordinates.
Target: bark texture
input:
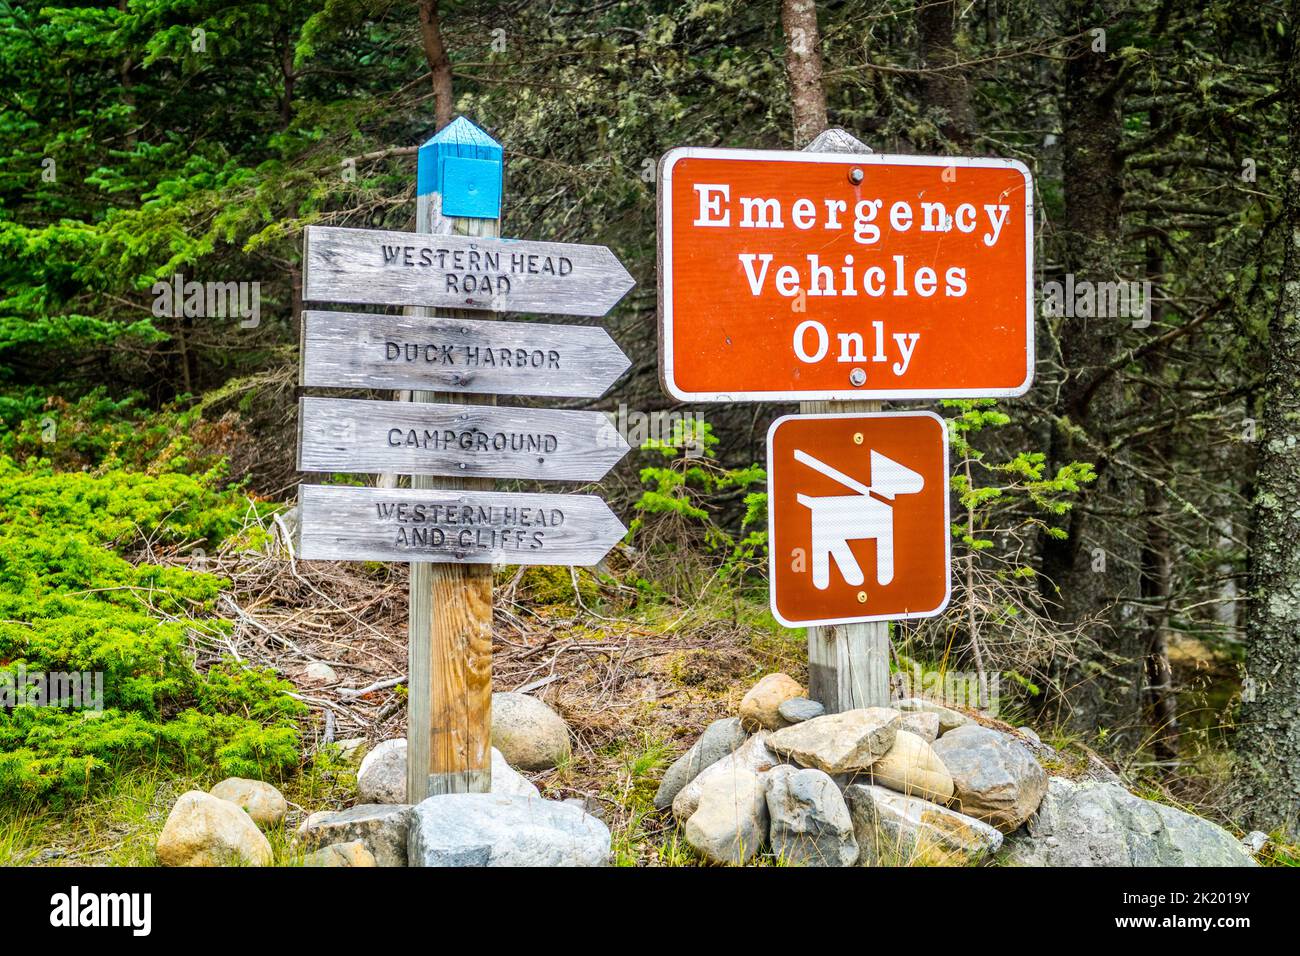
(1268, 733)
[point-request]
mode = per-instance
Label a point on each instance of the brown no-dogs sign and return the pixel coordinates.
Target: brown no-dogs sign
(858, 517)
(831, 276)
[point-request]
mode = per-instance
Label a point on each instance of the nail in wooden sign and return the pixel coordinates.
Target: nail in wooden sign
(378, 267)
(341, 523)
(840, 277)
(475, 441)
(365, 350)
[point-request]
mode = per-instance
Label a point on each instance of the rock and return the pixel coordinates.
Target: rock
(318, 672)
(759, 709)
(588, 805)
(382, 777)
(924, 725)
(1254, 842)
(203, 830)
(996, 779)
(509, 782)
(352, 853)
(911, 767)
(382, 827)
(730, 824)
(1102, 824)
(261, 801)
(752, 756)
(892, 828)
(810, 823)
(529, 734)
(949, 719)
(1030, 733)
(798, 709)
(839, 743)
(351, 749)
(486, 829)
(720, 738)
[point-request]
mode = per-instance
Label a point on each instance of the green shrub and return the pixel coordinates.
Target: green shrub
(71, 601)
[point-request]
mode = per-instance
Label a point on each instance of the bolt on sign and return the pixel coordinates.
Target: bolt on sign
(832, 276)
(858, 517)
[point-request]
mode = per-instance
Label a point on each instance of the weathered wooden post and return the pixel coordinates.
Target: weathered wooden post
(449, 701)
(451, 437)
(848, 664)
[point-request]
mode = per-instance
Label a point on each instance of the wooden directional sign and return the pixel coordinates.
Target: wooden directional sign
(340, 523)
(476, 441)
(364, 350)
(832, 276)
(460, 272)
(858, 517)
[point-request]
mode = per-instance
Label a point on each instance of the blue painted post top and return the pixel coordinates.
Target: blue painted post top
(463, 165)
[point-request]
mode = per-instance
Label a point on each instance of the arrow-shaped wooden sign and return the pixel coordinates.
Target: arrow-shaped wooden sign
(364, 350)
(460, 272)
(476, 441)
(341, 523)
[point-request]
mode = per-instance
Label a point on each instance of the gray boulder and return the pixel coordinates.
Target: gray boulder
(922, 723)
(894, 829)
(730, 823)
(996, 778)
(382, 775)
(484, 829)
(798, 709)
(720, 738)
(382, 827)
(508, 781)
(752, 756)
(839, 743)
(528, 733)
(810, 823)
(949, 719)
(1102, 824)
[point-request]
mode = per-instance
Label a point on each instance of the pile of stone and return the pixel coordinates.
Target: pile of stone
(915, 783)
(511, 825)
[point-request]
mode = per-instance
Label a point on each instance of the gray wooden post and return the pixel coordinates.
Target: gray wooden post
(848, 664)
(449, 703)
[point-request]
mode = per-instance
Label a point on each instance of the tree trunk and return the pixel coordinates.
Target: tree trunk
(435, 52)
(803, 67)
(944, 88)
(1092, 575)
(1268, 732)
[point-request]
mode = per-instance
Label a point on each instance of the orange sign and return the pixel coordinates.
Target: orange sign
(841, 276)
(858, 517)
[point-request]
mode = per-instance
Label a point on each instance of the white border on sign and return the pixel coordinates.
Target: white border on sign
(666, 364)
(947, 523)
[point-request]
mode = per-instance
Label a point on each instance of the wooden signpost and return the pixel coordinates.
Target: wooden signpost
(363, 350)
(475, 441)
(396, 524)
(460, 272)
(451, 438)
(836, 277)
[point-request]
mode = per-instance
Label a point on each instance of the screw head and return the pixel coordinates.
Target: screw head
(862, 597)
(857, 438)
(858, 377)
(856, 176)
